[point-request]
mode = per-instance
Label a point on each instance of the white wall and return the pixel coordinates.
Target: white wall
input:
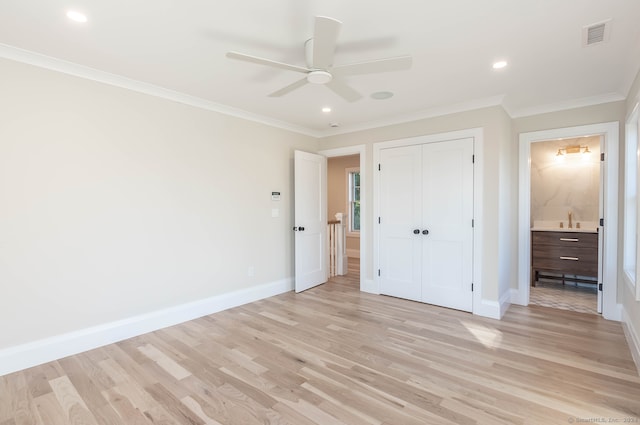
(114, 203)
(630, 305)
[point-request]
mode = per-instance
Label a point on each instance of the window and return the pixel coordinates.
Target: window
(630, 251)
(353, 199)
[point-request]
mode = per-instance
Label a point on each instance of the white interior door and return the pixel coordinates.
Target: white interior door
(310, 226)
(601, 231)
(447, 205)
(400, 216)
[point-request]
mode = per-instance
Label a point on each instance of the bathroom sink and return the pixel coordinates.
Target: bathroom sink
(554, 226)
(563, 229)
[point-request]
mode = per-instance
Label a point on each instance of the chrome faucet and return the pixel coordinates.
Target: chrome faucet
(570, 222)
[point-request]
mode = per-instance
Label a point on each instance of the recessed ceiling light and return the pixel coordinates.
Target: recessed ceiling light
(499, 64)
(326, 109)
(76, 16)
(381, 95)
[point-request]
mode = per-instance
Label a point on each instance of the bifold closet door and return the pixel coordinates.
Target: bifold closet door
(447, 206)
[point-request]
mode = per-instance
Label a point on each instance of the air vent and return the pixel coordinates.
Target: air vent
(596, 33)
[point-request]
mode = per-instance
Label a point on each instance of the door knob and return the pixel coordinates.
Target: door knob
(416, 231)
(425, 232)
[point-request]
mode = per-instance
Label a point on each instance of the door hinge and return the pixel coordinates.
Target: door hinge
(473, 159)
(602, 156)
(600, 287)
(379, 167)
(378, 272)
(473, 222)
(379, 221)
(472, 287)
(602, 222)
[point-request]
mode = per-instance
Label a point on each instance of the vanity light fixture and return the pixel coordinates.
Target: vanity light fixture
(573, 149)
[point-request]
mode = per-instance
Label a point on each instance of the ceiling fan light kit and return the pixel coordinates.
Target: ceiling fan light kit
(319, 77)
(319, 55)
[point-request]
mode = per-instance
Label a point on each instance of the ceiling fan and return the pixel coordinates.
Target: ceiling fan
(319, 52)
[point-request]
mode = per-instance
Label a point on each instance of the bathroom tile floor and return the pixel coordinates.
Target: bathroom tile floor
(582, 299)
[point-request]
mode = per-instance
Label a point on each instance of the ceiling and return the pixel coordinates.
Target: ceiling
(178, 47)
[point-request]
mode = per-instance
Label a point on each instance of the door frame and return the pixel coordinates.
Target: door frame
(361, 150)
(610, 133)
(479, 307)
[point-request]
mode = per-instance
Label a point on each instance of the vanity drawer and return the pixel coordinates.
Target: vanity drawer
(565, 239)
(568, 260)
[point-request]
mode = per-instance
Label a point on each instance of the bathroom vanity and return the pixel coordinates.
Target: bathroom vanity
(563, 252)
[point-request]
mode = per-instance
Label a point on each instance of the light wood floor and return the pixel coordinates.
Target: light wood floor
(333, 355)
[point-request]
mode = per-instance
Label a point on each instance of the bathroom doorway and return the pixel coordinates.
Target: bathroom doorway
(608, 221)
(565, 208)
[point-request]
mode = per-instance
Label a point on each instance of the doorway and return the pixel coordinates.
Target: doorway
(608, 221)
(343, 197)
(565, 212)
(344, 161)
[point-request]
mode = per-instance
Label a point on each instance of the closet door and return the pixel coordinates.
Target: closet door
(447, 205)
(400, 215)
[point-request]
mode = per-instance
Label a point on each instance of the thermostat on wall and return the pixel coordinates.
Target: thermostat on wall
(275, 196)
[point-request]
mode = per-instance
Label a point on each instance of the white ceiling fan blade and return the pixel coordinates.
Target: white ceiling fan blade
(289, 88)
(267, 62)
(325, 38)
(371, 67)
(344, 91)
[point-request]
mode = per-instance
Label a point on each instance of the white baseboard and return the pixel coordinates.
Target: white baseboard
(505, 302)
(369, 286)
(493, 309)
(633, 338)
(353, 253)
(31, 354)
(516, 297)
(490, 309)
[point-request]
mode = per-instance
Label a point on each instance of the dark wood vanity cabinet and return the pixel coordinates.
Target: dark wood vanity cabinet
(564, 253)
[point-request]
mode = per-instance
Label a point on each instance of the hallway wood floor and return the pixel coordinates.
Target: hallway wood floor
(333, 355)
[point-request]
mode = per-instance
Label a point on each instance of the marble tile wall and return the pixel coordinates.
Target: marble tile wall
(563, 184)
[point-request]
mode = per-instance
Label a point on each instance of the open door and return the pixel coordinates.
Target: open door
(601, 230)
(310, 226)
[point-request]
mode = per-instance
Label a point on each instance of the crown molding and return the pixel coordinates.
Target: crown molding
(74, 69)
(417, 116)
(71, 68)
(563, 106)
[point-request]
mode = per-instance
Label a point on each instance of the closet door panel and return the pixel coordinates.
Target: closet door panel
(400, 215)
(447, 205)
